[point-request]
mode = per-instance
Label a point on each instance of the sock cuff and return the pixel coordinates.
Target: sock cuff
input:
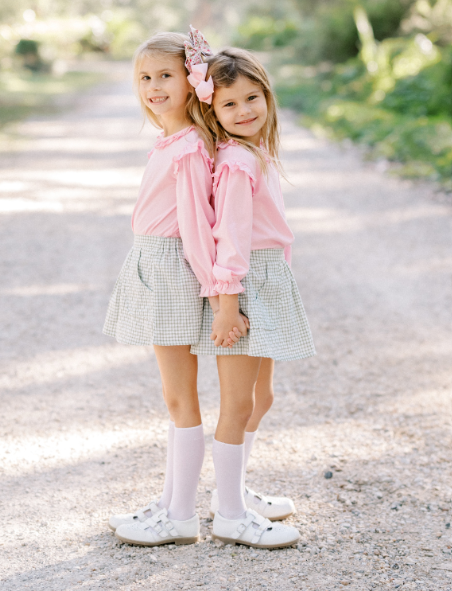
(189, 433)
(219, 445)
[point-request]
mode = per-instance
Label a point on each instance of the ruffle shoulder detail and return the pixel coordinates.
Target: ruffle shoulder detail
(233, 166)
(193, 147)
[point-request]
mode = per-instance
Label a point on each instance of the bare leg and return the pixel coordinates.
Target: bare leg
(179, 372)
(264, 396)
(238, 375)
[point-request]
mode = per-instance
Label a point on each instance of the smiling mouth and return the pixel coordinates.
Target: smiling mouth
(246, 121)
(156, 100)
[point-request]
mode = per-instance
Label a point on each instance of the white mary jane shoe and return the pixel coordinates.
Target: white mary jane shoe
(254, 530)
(139, 516)
(159, 529)
(273, 508)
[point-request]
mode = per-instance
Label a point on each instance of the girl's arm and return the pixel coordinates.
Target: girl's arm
(195, 214)
(232, 233)
(233, 228)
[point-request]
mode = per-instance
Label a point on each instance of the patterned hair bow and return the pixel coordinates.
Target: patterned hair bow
(195, 49)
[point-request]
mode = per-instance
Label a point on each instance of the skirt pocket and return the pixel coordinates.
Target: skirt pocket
(137, 286)
(264, 296)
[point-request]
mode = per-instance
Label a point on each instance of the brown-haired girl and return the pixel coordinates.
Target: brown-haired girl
(253, 277)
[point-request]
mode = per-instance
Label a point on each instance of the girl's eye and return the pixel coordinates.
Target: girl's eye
(229, 104)
(146, 78)
(250, 98)
(166, 75)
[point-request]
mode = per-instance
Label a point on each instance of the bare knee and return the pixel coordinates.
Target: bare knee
(264, 399)
(182, 408)
(239, 415)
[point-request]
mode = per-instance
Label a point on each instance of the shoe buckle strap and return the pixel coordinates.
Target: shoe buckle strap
(169, 526)
(161, 524)
(155, 520)
(259, 519)
(141, 516)
(153, 507)
(242, 526)
(260, 530)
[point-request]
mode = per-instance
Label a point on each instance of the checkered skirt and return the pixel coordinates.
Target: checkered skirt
(156, 297)
(271, 301)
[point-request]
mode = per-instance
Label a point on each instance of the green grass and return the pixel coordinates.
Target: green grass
(27, 93)
(409, 125)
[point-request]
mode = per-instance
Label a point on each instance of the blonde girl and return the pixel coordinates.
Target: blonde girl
(159, 296)
(253, 277)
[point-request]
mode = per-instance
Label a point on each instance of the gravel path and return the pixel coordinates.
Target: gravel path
(83, 424)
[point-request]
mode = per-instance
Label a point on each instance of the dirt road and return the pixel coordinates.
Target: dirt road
(83, 425)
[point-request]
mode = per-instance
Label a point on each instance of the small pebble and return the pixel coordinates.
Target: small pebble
(328, 474)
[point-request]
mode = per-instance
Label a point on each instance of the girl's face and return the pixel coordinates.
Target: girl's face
(241, 109)
(164, 86)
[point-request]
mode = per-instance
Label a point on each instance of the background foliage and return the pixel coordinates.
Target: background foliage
(391, 89)
(376, 71)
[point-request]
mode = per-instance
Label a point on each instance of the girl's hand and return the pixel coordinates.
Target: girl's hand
(227, 326)
(234, 335)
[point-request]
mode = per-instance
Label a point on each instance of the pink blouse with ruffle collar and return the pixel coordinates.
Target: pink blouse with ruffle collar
(174, 200)
(249, 211)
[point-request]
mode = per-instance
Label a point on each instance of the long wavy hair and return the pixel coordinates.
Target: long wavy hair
(225, 67)
(170, 45)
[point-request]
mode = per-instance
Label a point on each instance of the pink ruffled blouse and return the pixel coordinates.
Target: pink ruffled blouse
(174, 200)
(250, 214)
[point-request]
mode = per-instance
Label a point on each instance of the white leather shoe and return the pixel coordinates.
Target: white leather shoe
(159, 529)
(273, 508)
(253, 530)
(139, 516)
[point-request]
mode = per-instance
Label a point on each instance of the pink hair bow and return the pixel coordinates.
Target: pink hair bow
(203, 87)
(195, 49)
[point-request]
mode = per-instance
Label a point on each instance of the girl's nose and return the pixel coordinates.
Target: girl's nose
(245, 109)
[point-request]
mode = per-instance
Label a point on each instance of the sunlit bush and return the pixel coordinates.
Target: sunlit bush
(396, 97)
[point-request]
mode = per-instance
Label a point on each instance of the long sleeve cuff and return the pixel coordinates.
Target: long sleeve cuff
(229, 287)
(208, 291)
(227, 282)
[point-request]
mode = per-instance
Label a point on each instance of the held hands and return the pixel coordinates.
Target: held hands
(228, 324)
(227, 329)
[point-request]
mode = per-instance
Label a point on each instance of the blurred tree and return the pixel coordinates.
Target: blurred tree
(431, 17)
(28, 50)
(318, 30)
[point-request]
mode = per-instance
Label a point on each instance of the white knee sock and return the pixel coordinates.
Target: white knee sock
(187, 464)
(249, 442)
(228, 460)
(165, 499)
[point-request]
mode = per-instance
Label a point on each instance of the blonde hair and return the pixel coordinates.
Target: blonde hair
(225, 67)
(170, 45)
